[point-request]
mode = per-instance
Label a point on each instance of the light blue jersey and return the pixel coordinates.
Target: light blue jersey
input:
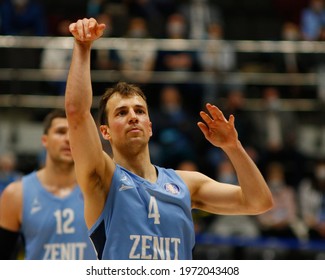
(53, 227)
(142, 220)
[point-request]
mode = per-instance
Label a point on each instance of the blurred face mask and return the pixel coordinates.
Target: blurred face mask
(228, 178)
(176, 29)
(290, 35)
(137, 33)
(274, 105)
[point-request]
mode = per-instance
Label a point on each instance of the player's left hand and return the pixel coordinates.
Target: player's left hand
(219, 131)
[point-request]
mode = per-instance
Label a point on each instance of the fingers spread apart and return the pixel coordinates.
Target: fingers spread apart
(215, 114)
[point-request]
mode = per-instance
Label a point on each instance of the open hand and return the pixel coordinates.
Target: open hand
(217, 129)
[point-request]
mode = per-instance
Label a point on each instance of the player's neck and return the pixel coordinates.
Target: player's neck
(55, 179)
(140, 166)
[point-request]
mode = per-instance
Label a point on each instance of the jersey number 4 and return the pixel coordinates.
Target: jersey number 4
(153, 210)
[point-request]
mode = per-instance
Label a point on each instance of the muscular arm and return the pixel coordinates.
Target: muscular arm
(94, 168)
(252, 196)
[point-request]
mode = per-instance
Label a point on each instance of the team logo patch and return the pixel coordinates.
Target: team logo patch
(171, 188)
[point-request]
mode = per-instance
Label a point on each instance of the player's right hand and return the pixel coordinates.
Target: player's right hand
(87, 30)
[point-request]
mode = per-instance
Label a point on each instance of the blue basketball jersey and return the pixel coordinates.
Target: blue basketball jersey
(143, 220)
(54, 227)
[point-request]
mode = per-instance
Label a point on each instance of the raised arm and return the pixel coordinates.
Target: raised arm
(94, 168)
(252, 196)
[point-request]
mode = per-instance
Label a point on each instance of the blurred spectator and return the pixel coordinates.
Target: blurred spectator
(119, 15)
(173, 129)
(276, 135)
(313, 19)
(137, 62)
(105, 59)
(322, 34)
(55, 58)
(277, 126)
(225, 172)
(312, 201)
(290, 62)
(313, 28)
(230, 226)
(95, 7)
(176, 27)
(8, 171)
(234, 104)
(200, 14)
(234, 227)
(290, 32)
(181, 60)
(188, 165)
(218, 58)
(174, 60)
(23, 17)
(153, 11)
(282, 220)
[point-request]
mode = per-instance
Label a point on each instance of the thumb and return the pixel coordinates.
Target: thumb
(232, 120)
(100, 28)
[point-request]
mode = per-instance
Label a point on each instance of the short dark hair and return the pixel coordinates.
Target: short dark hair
(121, 88)
(56, 113)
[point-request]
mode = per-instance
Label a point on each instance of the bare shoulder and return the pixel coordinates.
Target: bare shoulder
(191, 175)
(11, 206)
(193, 179)
(13, 192)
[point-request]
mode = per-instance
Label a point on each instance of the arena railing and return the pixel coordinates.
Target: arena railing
(241, 46)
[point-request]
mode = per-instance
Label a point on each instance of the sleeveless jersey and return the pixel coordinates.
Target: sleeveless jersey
(143, 220)
(54, 228)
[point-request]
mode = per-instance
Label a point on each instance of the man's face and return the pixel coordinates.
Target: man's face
(129, 122)
(56, 141)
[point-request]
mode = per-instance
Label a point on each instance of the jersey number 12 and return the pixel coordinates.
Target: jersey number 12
(64, 219)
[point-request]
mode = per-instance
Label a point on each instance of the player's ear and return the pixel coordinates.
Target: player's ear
(44, 140)
(105, 132)
(150, 128)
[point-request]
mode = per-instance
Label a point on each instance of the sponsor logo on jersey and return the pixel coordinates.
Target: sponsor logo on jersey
(36, 206)
(126, 183)
(126, 180)
(172, 188)
(125, 187)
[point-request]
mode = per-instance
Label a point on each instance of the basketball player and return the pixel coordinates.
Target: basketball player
(134, 209)
(46, 206)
